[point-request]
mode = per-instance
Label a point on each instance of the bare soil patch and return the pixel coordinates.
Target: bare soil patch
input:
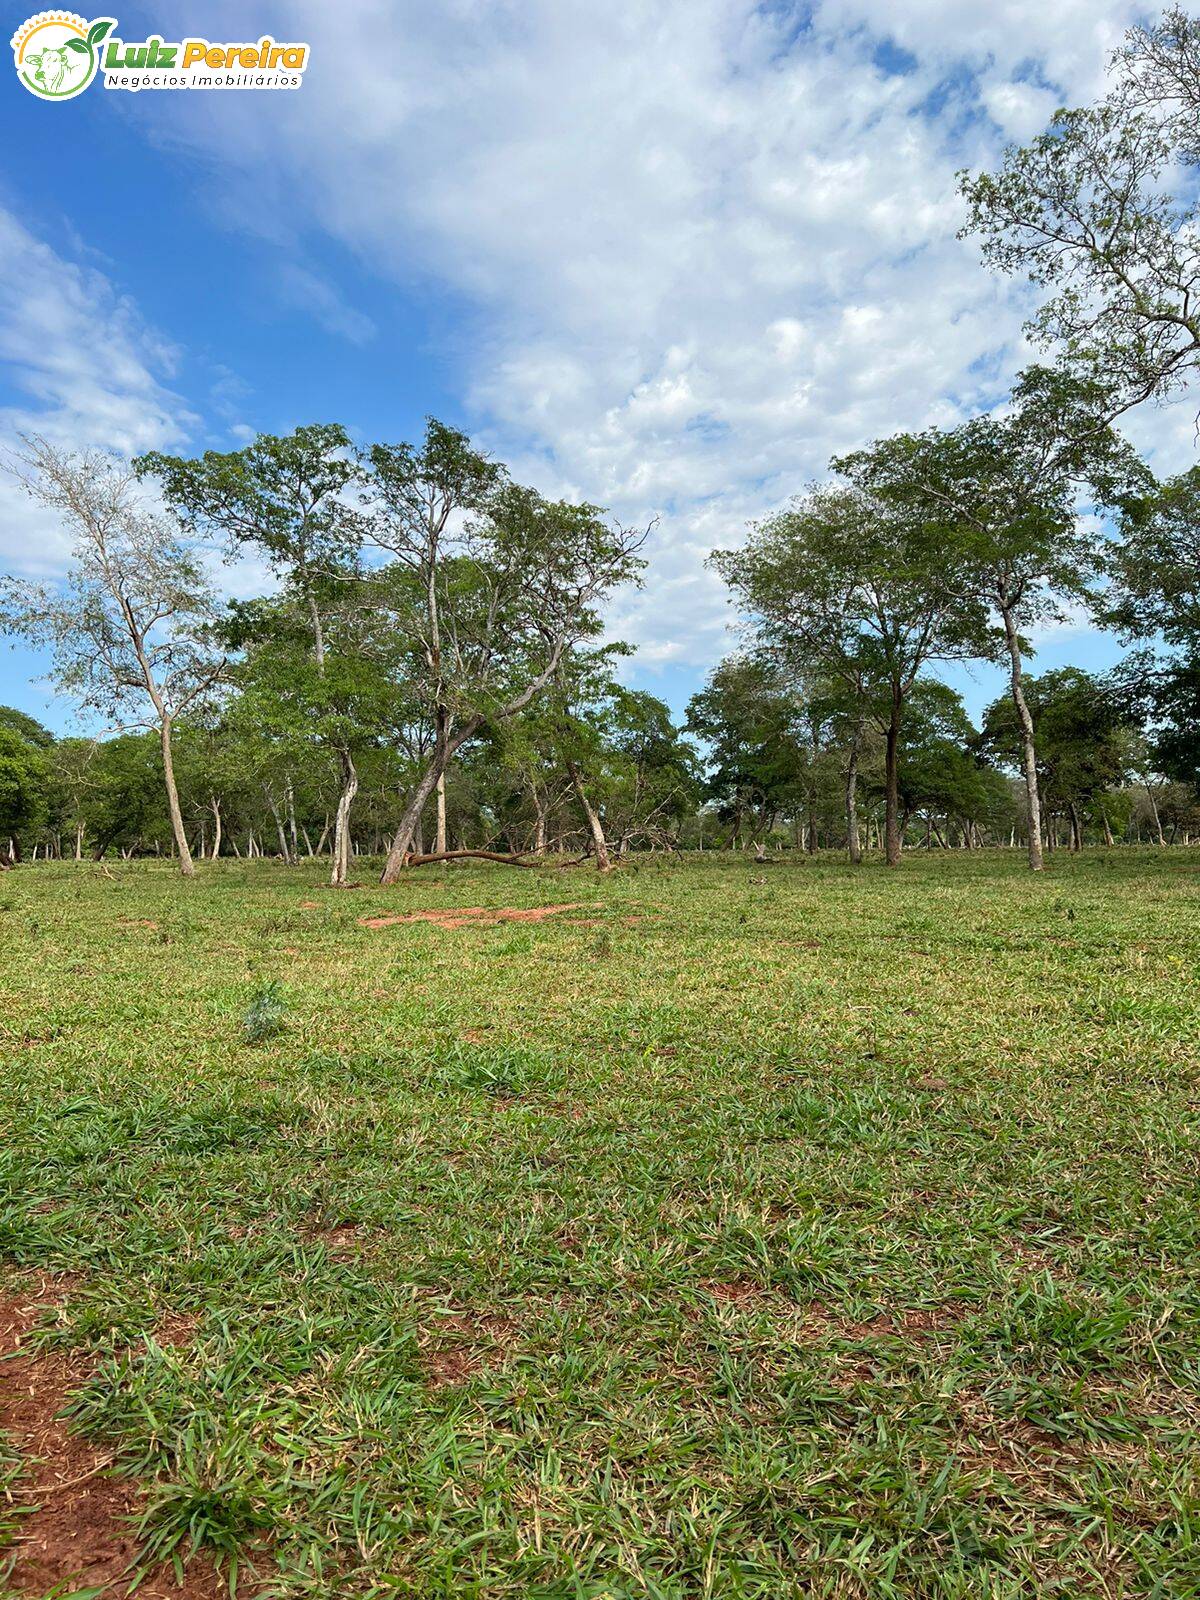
(79, 1531)
(470, 916)
(481, 1339)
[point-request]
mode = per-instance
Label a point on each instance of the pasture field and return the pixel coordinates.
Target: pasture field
(740, 1231)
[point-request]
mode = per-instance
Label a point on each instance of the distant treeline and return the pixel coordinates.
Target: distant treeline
(426, 675)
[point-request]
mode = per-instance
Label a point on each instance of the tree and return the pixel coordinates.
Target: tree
(133, 622)
(293, 712)
(941, 775)
(281, 495)
(24, 785)
(498, 600)
(286, 497)
(1085, 735)
(27, 727)
(123, 803)
(1155, 568)
(1158, 71)
(860, 587)
(1004, 488)
(416, 492)
(749, 719)
(1087, 211)
(71, 761)
(626, 765)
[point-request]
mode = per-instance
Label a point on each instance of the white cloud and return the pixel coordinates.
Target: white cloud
(89, 373)
(710, 244)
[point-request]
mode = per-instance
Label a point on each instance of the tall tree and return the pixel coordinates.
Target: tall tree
(1155, 567)
(1085, 734)
(1004, 488)
(419, 494)
(131, 628)
(501, 595)
(750, 719)
(287, 497)
(24, 788)
(865, 589)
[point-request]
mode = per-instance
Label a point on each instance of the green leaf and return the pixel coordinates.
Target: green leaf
(98, 29)
(77, 45)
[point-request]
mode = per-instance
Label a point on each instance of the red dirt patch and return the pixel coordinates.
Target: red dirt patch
(481, 1336)
(342, 1239)
(137, 922)
(912, 1323)
(309, 905)
(470, 916)
(735, 1291)
(176, 1329)
(79, 1532)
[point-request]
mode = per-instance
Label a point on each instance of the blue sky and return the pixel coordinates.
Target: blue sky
(667, 256)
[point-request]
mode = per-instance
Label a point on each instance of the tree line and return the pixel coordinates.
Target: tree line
(426, 677)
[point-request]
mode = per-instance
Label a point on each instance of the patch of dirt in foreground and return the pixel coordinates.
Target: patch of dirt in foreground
(78, 1532)
(471, 916)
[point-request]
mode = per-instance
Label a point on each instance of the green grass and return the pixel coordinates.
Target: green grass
(818, 1233)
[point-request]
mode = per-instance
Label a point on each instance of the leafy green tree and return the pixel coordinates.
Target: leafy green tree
(419, 493)
(282, 495)
(123, 804)
(24, 785)
(286, 497)
(1155, 566)
(940, 774)
(631, 773)
(26, 727)
(295, 712)
(749, 721)
(498, 601)
(1004, 488)
(864, 589)
(71, 762)
(1098, 212)
(1085, 732)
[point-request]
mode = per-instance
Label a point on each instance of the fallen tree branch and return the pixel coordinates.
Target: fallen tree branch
(473, 855)
(517, 860)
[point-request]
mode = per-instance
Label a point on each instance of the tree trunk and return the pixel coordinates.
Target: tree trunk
(215, 807)
(539, 830)
(1076, 831)
(891, 757)
(403, 840)
(1108, 836)
(282, 837)
(595, 827)
(443, 733)
(1028, 749)
(852, 842)
(291, 816)
(1155, 816)
(186, 865)
(341, 832)
(79, 841)
(440, 799)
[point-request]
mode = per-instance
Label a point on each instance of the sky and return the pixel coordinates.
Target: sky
(667, 256)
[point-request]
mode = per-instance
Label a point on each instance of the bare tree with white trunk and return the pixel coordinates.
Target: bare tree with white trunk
(130, 627)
